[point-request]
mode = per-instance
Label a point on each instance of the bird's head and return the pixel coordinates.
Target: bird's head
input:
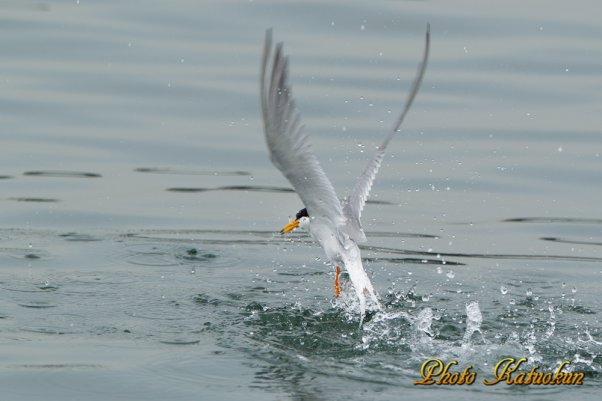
(301, 220)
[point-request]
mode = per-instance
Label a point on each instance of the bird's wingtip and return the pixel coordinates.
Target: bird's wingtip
(268, 38)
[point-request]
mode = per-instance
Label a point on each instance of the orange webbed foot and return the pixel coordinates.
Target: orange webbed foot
(337, 285)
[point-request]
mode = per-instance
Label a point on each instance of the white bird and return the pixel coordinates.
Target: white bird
(334, 225)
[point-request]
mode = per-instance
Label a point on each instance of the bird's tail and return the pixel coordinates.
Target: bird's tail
(362, 285)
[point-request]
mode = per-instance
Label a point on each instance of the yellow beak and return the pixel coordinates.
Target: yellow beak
(290, 227)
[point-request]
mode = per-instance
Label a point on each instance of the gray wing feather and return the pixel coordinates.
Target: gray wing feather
(357, 199)
(287, 143)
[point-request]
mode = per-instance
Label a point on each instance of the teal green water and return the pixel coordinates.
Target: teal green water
(139, 249)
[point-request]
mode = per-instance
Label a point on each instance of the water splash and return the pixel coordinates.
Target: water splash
(424, 321)
(474, 319)
(551, 322)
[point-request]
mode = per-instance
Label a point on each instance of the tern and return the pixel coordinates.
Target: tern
(333, 224)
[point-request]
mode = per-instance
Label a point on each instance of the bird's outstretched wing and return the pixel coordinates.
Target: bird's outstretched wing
(357, 198)
(288, 145)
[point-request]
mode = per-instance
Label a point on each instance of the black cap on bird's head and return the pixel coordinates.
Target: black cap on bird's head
(301, 213)
(295, 223)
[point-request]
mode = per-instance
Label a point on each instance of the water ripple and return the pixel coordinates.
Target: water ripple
(591, 259)
(250, 188)
(29, 199)
(571, 220)
(156, 170)
(570, 241)
(62, 174)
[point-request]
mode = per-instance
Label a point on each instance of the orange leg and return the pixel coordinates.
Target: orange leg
(337, 286)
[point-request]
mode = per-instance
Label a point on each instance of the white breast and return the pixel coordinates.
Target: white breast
(330, 240)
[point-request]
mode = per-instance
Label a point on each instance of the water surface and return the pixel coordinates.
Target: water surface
(139, 254)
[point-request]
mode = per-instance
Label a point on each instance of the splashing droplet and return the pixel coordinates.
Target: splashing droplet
(474, 318)
(424, 320)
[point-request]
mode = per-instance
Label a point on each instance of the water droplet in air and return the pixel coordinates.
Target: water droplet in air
(529, 292)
